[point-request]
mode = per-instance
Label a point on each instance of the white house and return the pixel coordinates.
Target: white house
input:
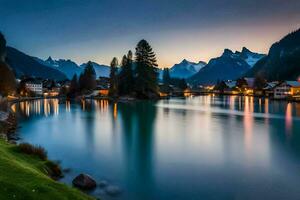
(270, 88)
(287, 89)
(35, 86)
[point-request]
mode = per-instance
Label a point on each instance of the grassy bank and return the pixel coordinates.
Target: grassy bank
(24, 177)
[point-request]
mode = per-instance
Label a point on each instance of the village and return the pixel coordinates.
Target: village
(277, 90)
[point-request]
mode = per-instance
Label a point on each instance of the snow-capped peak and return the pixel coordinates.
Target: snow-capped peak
(185, 69)
(248, 56)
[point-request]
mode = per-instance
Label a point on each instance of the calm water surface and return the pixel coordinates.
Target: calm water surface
(181, 149)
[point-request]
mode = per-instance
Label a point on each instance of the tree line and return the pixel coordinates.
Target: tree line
(83, 84)
(137, 76)
(177, 82)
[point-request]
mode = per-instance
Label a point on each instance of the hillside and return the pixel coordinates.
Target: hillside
(22, 177)
(23, 64)
(282, 61)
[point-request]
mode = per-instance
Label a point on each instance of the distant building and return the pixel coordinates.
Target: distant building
(231, 88)
(250, 82)
(287, 89)
(102, 88)
(268, 90)
(51, 88)
(230, 84)
(35, 86)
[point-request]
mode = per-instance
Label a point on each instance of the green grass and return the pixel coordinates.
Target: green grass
(24, 177)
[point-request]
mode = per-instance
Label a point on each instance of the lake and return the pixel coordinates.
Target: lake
(205, 147)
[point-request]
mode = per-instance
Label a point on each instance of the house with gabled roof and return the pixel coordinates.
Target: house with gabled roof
(287, 89)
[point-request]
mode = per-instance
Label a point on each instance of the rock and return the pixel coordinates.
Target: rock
(84, 181)
(113, 190)
(102, 184)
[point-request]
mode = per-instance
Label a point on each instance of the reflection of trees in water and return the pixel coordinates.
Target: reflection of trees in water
(138, 129)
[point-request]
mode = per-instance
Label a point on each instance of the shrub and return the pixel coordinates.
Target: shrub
(53, 170)
(33, 150)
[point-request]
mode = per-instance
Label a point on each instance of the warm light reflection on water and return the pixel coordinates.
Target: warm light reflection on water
(115, 111)
(232, 102)
(36, 107)
(83, 104)
(248, 121)
(216, 147)
(68, 106)
(52, 106)
(288, 118)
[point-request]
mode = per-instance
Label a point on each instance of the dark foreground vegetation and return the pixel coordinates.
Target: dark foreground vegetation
(26, 176)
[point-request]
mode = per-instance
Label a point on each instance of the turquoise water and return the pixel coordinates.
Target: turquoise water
(203, 147)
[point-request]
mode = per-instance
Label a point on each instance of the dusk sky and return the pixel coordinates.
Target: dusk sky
(98, 30)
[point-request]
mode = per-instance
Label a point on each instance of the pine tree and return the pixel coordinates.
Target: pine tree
(87, 80)
(129, 72)
(126, 82)
(81, 82)
(146, 71)
(259, 82)
(74, 87)
(90, 76)
(182, 84)
(166, 76)
(122, 77)
(113, 78)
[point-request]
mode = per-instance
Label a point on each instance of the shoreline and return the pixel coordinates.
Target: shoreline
(27, 177)
(120, 100)
(8, 141)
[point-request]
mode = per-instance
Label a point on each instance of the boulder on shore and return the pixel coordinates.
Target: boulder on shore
(84, 181)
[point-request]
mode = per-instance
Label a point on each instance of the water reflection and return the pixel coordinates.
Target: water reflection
(115, 111)
(68, 106)
(195, 148)
(288, 119)
(138, 146)
(46, 107)
(248, 121)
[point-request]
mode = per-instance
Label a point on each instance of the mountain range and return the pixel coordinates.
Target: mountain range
(25, 65)
(282, 61)
(70, 68)
(186, 69)
(229, 66)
